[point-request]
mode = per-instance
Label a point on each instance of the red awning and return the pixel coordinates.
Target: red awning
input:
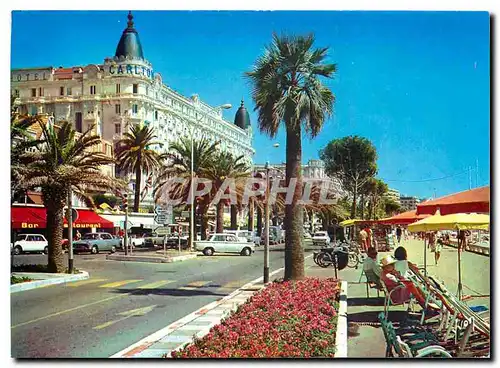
(24, 217)
(474, 200)
(404, 218)
(87, 219)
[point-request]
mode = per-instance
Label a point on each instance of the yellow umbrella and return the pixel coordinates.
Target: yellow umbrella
(456, 221)
(349, 222)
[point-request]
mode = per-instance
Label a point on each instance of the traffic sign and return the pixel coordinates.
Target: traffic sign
(163, 215)
(162, 230)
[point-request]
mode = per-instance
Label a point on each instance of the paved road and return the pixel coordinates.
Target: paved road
(121, 303)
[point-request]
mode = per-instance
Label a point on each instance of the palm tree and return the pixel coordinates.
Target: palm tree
(178, 164)
(64, 161)
(134, 154)
(287, 89)
(225, 165)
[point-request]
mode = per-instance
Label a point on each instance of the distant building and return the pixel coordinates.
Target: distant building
(408, 203)
(393, 194)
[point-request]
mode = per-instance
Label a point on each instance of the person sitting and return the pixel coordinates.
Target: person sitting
(402, 264)
(371, 268)
(393, 279)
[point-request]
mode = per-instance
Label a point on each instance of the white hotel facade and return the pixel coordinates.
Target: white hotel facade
(126, 90)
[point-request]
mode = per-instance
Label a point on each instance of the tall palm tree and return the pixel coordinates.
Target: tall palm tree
(64, 161)
(225, 165)
(134, 154)
(287, 89)
(178, 164)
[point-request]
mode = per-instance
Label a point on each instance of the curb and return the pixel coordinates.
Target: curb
(240, 296)
(484, 251)
(111, 257)
(146, 342)
(341, 334)
(83, 275)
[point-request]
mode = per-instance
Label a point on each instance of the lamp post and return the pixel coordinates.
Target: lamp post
(266, 222)
(191, 214)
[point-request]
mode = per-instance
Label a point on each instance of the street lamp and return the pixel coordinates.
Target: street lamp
(266, 222)
(191, 194)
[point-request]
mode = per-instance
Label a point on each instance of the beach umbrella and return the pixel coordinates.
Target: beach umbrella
(457, 221)
(404, 218)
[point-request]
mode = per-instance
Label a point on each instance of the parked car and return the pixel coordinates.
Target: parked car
(276, 235)
(154, 240)
(243, 236)
(321, 238)
(137, 241)
(30, 243)
(224, 243)
(173, 241)
(96, 242)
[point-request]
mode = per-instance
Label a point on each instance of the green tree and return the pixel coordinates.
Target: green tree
(135, 155)
(64, 161)
(178, 164)
(287, 89)
(353, 160)
(225, 165)
(101, 198)
(391, 207)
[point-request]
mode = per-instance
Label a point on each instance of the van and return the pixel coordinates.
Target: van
(243, 236)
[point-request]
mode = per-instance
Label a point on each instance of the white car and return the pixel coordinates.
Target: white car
(321, 238)
(224, 243)
(243, 236)
(27, 243)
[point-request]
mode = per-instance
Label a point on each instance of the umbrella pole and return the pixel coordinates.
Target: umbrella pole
(425, 254)
(459, 291)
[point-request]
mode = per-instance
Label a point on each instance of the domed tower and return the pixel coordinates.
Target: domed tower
(129, 46)
(242, 117)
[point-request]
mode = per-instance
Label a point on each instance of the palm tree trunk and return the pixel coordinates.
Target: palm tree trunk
(55, 212)
(259, 221)
(137, 194)
(220, 217)
(294, 254)
(234, 217)
(203, 211)
(251, 210)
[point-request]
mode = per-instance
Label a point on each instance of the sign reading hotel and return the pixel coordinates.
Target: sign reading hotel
(31, 75)
(130, 69)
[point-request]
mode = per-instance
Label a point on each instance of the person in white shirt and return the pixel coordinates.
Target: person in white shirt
(370, 263)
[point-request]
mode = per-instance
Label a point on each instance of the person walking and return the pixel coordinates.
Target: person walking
(362, 238)
(431, 241)
(398, 234)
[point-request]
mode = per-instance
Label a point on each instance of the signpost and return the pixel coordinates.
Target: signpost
(71, 215)
(163, 215)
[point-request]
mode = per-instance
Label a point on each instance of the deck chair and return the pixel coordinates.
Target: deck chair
(388, 301)
(372, 282)
(423, 352)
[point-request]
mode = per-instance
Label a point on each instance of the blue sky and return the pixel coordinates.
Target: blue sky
(416, 84)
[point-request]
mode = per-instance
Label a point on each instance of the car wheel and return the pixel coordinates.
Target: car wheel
(18, 250)
(94, 249)
(46, 250)
(113, 249)
(246, 251)
(208, 251)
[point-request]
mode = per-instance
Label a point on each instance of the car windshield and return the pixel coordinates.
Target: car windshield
(20, 237)
(91, 236)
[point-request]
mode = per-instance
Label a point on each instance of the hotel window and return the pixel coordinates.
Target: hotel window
(117, 108)
(134, 109)
(92, 90)
(118, 88)
(135, 88)
(61, 91)
(156, 115)
(78, 122)
(118, 129)
(40, 91)
(68, 91)
(33, 92)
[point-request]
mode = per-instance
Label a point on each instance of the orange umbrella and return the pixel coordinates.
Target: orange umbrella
(404, 218)
(475, 200)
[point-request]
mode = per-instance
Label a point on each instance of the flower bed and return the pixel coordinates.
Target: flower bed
(288, 319)
(18, 280)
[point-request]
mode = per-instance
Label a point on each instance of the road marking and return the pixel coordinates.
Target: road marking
(194, 285)
(69, 310)
(126, 315)
(118, 283)
(154, 285)
(85, 282)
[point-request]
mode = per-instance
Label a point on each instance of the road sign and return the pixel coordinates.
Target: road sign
(162, 230)
(163, 215)
(75, 215)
